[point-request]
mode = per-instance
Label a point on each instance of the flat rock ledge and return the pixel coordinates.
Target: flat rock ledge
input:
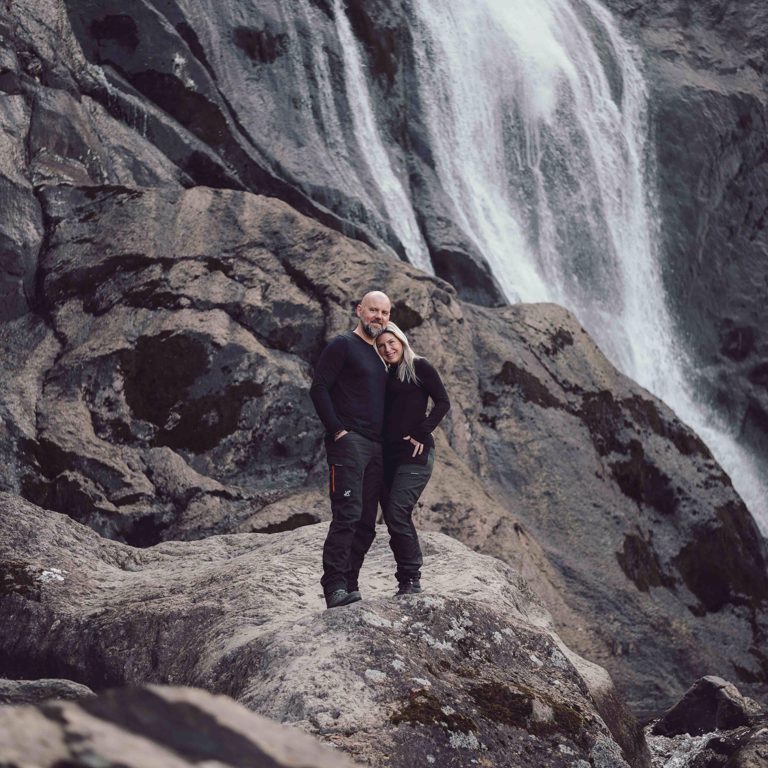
(34, 691)
(154, 727)
(470, 672)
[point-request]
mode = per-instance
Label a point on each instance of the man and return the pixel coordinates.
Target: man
(348, 393)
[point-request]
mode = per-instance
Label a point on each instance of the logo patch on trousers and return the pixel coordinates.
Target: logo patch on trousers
(348, 493)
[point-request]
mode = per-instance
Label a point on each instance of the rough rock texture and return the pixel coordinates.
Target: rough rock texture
(471, 669)
(708, 72)
(710, 704)
(154, 727)
(33, 691)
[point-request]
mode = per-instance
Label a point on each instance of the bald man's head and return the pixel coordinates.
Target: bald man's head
(373, 312)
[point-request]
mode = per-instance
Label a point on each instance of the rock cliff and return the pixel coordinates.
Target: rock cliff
(159, 337)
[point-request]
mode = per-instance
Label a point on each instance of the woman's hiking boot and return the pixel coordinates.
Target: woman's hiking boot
(340, 597)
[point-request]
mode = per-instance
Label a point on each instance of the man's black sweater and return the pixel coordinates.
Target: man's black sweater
(406, 413)
(349, 386)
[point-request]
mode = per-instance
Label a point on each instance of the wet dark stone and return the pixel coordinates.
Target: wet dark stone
(643, 482)
(261, 45)
(641, 564)
(727, 563)
(192, 109)
(737, 343)
(472, 282)
(191, 39)
(158, 371)
(405, 317)
(119, 28)
(604, 419)
(759, 375)
(530, 388)
(383, 44)
(204, 422)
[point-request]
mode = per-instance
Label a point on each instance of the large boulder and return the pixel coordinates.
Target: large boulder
(710, 704)
(154, 727)
(470, 668)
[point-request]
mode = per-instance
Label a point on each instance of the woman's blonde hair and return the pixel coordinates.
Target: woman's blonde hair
(406, 371)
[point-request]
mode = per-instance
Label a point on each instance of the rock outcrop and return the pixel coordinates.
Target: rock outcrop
(470, 669)
(154, 727)
(710, 704)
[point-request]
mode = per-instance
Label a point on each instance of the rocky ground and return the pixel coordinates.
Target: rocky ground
(469, 670)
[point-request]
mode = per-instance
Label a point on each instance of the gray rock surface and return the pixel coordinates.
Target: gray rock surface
(154, 727)
(712, 726)
(471, 669)
(33, 691)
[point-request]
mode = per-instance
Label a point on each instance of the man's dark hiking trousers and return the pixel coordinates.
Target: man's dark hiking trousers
(355, 477)
(403, 487)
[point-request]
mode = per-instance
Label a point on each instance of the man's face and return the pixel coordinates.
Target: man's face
(373, 312)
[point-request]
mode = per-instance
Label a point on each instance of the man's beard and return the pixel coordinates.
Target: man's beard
(373, 332)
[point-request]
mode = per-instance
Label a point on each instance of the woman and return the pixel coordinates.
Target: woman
(409, 450)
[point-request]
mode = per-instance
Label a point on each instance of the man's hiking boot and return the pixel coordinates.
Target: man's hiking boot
(354, 593)
(341, 597)
(409, 587)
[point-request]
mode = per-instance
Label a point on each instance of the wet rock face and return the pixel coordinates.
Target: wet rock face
(610, 431)
(173, 391)
(470, 668)
(707, 72)
(154, 727)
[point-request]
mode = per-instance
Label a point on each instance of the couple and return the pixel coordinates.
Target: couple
(371, 392)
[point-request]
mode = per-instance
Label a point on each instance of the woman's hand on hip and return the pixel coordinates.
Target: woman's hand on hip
(418, 447)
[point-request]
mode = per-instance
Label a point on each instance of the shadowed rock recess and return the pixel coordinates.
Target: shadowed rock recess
(157, 342)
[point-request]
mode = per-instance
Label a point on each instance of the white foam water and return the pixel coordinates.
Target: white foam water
(537, 114)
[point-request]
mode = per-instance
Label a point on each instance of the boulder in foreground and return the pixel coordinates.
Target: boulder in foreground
(154, 727)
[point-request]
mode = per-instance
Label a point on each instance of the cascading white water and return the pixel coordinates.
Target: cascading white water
(396, 201)
(536, 111)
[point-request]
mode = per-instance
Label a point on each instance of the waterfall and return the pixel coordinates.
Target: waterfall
(397, 203)
(536, 113)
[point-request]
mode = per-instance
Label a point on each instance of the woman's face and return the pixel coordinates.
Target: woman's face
(390, 348)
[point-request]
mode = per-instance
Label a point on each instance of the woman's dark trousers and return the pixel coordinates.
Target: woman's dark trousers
(403, 487)
(355, 477)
